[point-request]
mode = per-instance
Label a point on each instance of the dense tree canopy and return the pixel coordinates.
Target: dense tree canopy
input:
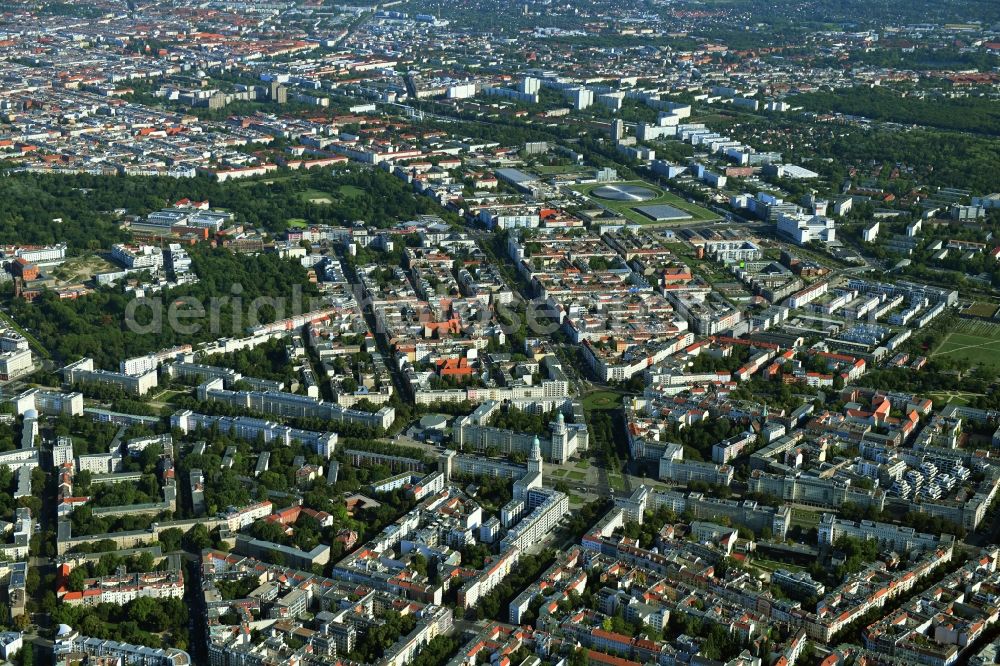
(86, 204)
(970, 114)
(97, 325)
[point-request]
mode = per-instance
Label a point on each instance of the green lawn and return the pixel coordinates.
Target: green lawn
(316, 196)
(805, 518)
(627, 209)
(558, 170)
(616, 481)
(710, 272)
(578, 476)
(320, 197)
(981, 309)
(958, 397)
(975, 341)
(250, 182)
(296, 222)
(350, 191)
(602, 400)
(175, 396)
(774, 565)
(167, 394)
(582, 464)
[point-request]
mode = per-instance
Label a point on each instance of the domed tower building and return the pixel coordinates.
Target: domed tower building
(535, 463)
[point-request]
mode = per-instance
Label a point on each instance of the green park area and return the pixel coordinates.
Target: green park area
(602, 400)
(317, 196)
(558, 170)
(977, 342)
(958, 397)
(629, 209)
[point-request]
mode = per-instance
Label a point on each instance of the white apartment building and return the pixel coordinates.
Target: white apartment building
(123, 589)
(69, 641)
(139, 365)
(49, 402)
(98, 463)
(180, 260)
(11, 340)
(62, 451)
(470, 593)
(674, 468)
(83, 372)
(546, 508)
(247, 516)
(19, 458)
(807, 295)
(580, 98)
(245, 427)
(138, 257)
(24, 528)
(510, 219)
(285, 404)
(41, 255)
(14, 364)
(904, 539)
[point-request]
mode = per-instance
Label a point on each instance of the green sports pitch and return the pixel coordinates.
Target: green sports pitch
(978, 342)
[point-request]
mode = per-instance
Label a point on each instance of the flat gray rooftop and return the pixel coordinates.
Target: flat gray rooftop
(663, 213)
(515, 176)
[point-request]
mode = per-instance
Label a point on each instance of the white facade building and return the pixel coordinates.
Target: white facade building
(141, 256)
(803, 229)
(14, 364)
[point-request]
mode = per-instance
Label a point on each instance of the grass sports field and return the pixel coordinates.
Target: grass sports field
(316, 196)
(978, 342)
(627, 209)
(322, 197)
